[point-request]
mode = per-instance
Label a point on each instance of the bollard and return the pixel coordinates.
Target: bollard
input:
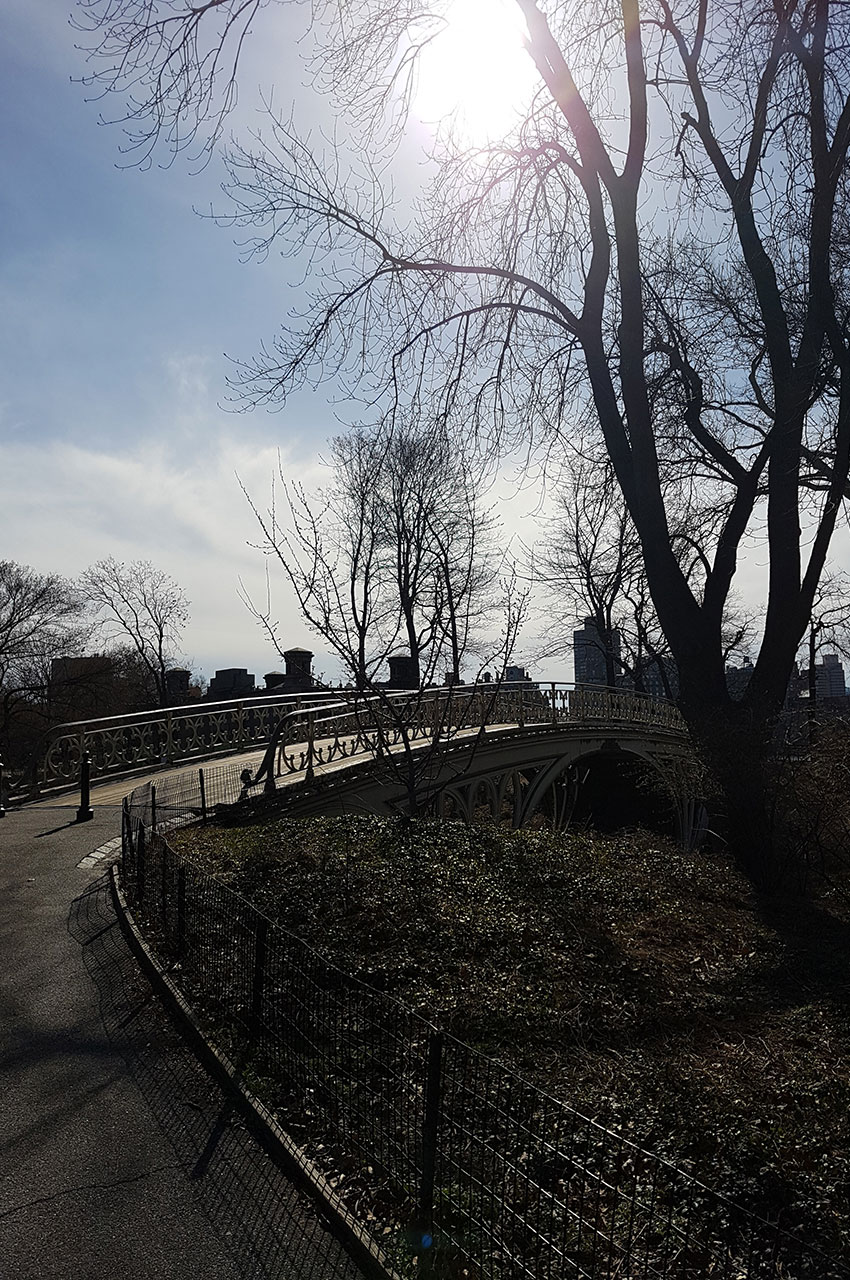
(85, 812)
(126, 837)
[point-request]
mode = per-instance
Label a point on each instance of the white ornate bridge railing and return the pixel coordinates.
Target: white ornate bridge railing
(120, 745)
(303, 731)
(307, 738)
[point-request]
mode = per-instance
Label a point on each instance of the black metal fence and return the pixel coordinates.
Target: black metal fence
(478, 1172)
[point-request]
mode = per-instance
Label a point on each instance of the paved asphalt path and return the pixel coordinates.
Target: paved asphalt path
(119, 1158)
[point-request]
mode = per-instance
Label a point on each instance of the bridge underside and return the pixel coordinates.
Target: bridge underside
(608, 777)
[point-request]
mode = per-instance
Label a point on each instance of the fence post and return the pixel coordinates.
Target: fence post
(140, 865)
(261, 929)
(430, 1130)
(181, 910)
(153, 808)
(554, 704)
(125, 836)
(203, 786)
(2, 809)
(169, 737)
(163, 890)
(308, 777)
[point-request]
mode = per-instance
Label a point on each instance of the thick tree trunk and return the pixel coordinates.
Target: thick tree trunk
(736, 747)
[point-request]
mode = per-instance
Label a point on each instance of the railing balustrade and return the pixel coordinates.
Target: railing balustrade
(370, 725)
(118, 745)
(306, 730)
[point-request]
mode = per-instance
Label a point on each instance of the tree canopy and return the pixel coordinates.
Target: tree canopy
(654, 262)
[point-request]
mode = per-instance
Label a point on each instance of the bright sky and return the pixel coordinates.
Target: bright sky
(118, 304)
(477, 69)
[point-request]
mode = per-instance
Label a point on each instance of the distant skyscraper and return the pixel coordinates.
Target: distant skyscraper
(589, 654)
(654, 677)
(829, 675)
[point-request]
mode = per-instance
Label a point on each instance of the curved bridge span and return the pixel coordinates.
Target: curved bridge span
(513, 750)
(515, 753)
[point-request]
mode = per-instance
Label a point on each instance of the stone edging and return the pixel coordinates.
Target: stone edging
(277, 1144)
(102, 851)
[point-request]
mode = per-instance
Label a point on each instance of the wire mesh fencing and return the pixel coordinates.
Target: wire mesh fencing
(469, 1169)
(187, 796)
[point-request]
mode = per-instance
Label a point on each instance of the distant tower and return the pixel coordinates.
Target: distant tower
(404, 672)
(830, 677)
(589, 653)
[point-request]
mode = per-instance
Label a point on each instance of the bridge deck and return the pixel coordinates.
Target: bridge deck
(111, 791)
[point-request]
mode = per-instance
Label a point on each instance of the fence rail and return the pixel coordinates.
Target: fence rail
(149, 739)
(482, 1172)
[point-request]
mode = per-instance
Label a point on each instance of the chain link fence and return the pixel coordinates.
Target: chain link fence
(477, 1172)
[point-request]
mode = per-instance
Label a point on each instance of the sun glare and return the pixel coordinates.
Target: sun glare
(477, 70)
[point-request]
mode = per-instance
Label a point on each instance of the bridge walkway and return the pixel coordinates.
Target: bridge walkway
(111, 791)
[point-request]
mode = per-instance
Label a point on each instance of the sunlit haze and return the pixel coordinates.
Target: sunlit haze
(477, 70)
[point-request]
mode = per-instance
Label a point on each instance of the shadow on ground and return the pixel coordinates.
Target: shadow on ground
(252, 1206)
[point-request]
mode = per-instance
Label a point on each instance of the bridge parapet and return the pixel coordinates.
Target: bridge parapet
(118, 745)
(378, 725)
(301, 731)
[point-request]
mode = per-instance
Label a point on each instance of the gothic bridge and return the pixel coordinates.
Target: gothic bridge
(528, 752)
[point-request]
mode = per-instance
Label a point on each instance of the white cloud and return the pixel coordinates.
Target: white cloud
(67, 507)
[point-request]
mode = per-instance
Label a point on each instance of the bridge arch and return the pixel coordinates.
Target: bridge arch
(570, 786)
(618, 771)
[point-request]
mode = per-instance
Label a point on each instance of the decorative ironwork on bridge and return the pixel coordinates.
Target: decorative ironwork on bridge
(510, 749)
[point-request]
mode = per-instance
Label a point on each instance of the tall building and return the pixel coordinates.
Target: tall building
(829, 677)
(659, 675)
(230, 682)
(589, 653)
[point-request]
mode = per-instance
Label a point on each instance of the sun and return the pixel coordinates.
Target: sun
(476, 71)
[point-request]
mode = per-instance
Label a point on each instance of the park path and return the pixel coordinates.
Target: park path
(119, 1157)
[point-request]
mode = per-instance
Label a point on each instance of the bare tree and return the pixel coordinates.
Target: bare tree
(328, 547)
(587, 559)
(396, 559)
(590, 563)
(690, 301)
(141, 607)
(42, 617)
(439, 543)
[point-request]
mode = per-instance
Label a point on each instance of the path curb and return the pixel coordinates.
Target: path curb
(277, 1144)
